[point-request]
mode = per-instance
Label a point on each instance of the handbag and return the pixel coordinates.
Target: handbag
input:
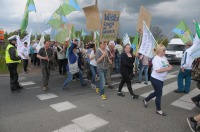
(73, 68)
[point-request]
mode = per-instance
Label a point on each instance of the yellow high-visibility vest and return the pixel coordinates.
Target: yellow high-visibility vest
(7, 56)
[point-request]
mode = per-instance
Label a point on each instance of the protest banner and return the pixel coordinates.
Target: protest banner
(148, 42)
(126, 39)
(145, 15)
(92, 17)
(110, 25)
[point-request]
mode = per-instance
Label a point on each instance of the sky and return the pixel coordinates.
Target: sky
(165, 13)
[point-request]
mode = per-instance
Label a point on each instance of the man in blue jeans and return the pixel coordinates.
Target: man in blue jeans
(145, 63)
(185, 71)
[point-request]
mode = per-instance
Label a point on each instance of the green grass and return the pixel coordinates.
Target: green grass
(3, 66)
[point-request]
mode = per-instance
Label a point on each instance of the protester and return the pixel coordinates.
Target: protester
(45, 54)
(25, 56)
(127, 61)
(36, 61)
(12, 61)
(185, 71)
(72, 59)
(161, 67)
(60, 52)
(31, 52)
(93, 65)
(193, 122)
(145, 62)
(111, 48)
(103, 60)
(118, 53)
(86, 54)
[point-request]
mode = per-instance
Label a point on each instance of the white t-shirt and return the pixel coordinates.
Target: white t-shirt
(158, 63)
(24, 53)
(93, 61)
(34, 47)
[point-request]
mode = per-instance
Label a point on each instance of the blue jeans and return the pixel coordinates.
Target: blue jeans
(93, 69)
(145, 69)
(117, 64)
(187, 75)
(70, 77)
(158, 86)
(102, 77)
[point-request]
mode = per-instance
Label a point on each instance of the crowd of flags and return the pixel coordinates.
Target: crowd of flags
(59, 30)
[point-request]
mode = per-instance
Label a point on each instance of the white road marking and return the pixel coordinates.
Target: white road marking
(36, 87)
(90, 122)
(70, 128)
(46, 96)
(63, 106)
(141, 85)
(27, 83)
(185, 101)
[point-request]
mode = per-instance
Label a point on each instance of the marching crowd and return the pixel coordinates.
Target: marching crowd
(77, 60)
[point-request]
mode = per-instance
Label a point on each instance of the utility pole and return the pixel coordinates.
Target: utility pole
(96, 2)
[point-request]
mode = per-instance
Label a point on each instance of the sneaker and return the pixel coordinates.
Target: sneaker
(192, 124)
(93, 86)
(176, 91)
(103, 96)
(146, 83)
(134, 96)
(138, 82)
(44, 88)
(97, 90)
(195, 102)
(120, 94)
(145, 103)
(110, 87)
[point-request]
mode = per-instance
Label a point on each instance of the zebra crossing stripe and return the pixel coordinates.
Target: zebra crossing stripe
(138, 86)
(89, 122)
(70, 128)
(185, 101)
(166, 89)
(63, 106)
(46, 96)
(27, 83)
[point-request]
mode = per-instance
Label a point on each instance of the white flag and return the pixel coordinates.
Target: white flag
(148, 42)
(40, 44)
(126, 39)
(195, 48)
(46, 32)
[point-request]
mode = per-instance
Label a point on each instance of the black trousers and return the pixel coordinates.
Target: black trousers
(62, 63)
(14, 84)
(126, 79)
(36, 60)
(25, 61)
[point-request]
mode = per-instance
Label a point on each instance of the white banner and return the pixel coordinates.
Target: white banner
(126, 39)
(195, 48)
(20, 43)
(40, 44)
(148, 42)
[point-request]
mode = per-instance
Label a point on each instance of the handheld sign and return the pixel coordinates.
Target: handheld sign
(92, 17)
(145, 15)
(110, 25)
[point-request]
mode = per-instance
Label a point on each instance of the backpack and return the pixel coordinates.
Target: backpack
(196, 71)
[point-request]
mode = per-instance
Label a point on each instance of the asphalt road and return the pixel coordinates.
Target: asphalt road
(78, 109)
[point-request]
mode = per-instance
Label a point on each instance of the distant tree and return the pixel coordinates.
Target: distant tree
(176, 36)
(157, 33)
(6, 35)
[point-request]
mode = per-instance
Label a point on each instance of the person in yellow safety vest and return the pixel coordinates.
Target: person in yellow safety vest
(12, 61)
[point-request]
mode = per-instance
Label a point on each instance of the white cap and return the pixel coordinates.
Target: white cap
(14, 37)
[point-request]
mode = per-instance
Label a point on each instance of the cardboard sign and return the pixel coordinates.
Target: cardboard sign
(110, 25)
(145, 15)
(92, 17)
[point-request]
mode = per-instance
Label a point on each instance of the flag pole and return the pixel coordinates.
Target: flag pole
(166, 37)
